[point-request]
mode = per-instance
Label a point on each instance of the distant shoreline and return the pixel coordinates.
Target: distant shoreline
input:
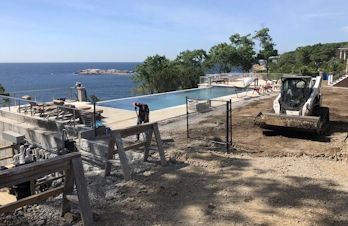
(103, 72)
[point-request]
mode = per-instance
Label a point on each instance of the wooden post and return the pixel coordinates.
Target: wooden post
(68, 188)
(82, 193)
(159, 144)
(147, 145)
(123, 157)
(109, 154)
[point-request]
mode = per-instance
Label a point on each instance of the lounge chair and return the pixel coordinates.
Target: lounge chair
(241, 89)
(267, 87)
(257, 89)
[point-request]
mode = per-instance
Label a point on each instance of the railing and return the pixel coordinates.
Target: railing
(43, 94)
(48, 110)
(208, 78)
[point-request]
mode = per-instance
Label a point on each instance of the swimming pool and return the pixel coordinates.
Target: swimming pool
(169, 99)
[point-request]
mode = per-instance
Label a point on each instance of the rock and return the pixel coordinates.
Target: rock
(211, 206)
(70, 217)
(130, 199)
(41, 222)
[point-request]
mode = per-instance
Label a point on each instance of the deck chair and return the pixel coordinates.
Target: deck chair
(257, 89)
(241, 89)
(267, 87)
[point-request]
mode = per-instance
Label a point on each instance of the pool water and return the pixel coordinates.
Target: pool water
(169, 99)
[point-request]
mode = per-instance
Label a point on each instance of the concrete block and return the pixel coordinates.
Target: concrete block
(13, 137)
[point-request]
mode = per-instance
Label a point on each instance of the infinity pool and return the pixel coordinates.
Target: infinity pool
(169, 99)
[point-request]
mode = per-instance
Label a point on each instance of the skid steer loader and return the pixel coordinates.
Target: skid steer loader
(297, 107)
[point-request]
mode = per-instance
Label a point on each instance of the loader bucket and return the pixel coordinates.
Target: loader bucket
(310, 124)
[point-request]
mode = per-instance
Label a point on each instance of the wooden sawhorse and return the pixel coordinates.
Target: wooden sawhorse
(116, 138)
(71, 163)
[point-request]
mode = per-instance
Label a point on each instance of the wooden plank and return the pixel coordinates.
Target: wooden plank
(122, 155)
(113, 161)
(5, 147)
(134, 129)
(17, 179)
(32, 187)
(48, 181)
(159, 145)
(6, 197)
(147, 145)
(31, 199)
(134, 146)
(68, 188)
(109, 154)
(82, 193)
(35, 170)
(8, 157)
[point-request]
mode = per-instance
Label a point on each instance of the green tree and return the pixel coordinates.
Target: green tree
(303, 55)
(2, 89)
(190, 65)
(222, 58)
(149, 73)
(267, 45)
(4, 100)
(243, 47)
(309, 59)
(93, 98)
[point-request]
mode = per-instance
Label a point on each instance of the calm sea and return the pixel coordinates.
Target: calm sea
(33, 76)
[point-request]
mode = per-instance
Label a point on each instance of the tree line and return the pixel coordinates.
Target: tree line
(159, 74)
(310, 60)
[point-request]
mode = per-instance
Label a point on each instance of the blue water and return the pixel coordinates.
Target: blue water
(170, 99)
(34, 76)
(27, 77)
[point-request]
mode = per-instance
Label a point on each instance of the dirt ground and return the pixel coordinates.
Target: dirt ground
(270, 143)
(267, 178)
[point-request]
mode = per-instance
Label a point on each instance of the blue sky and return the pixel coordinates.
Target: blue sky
(130, 30)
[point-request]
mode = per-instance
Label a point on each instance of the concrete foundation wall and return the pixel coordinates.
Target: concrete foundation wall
(43, 132)
(95, 148)
(47, 133)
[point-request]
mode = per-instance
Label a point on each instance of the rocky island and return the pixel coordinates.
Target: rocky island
(102, 72)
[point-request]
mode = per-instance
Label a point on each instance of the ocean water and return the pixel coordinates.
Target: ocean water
(16, 77)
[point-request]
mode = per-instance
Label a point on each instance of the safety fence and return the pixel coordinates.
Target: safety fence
(209, 120)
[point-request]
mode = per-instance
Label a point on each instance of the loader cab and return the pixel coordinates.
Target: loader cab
(295, 92)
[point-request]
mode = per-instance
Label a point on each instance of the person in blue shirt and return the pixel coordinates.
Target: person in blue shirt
(142, 113)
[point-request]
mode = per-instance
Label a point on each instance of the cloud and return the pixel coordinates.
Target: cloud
(345, 29)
